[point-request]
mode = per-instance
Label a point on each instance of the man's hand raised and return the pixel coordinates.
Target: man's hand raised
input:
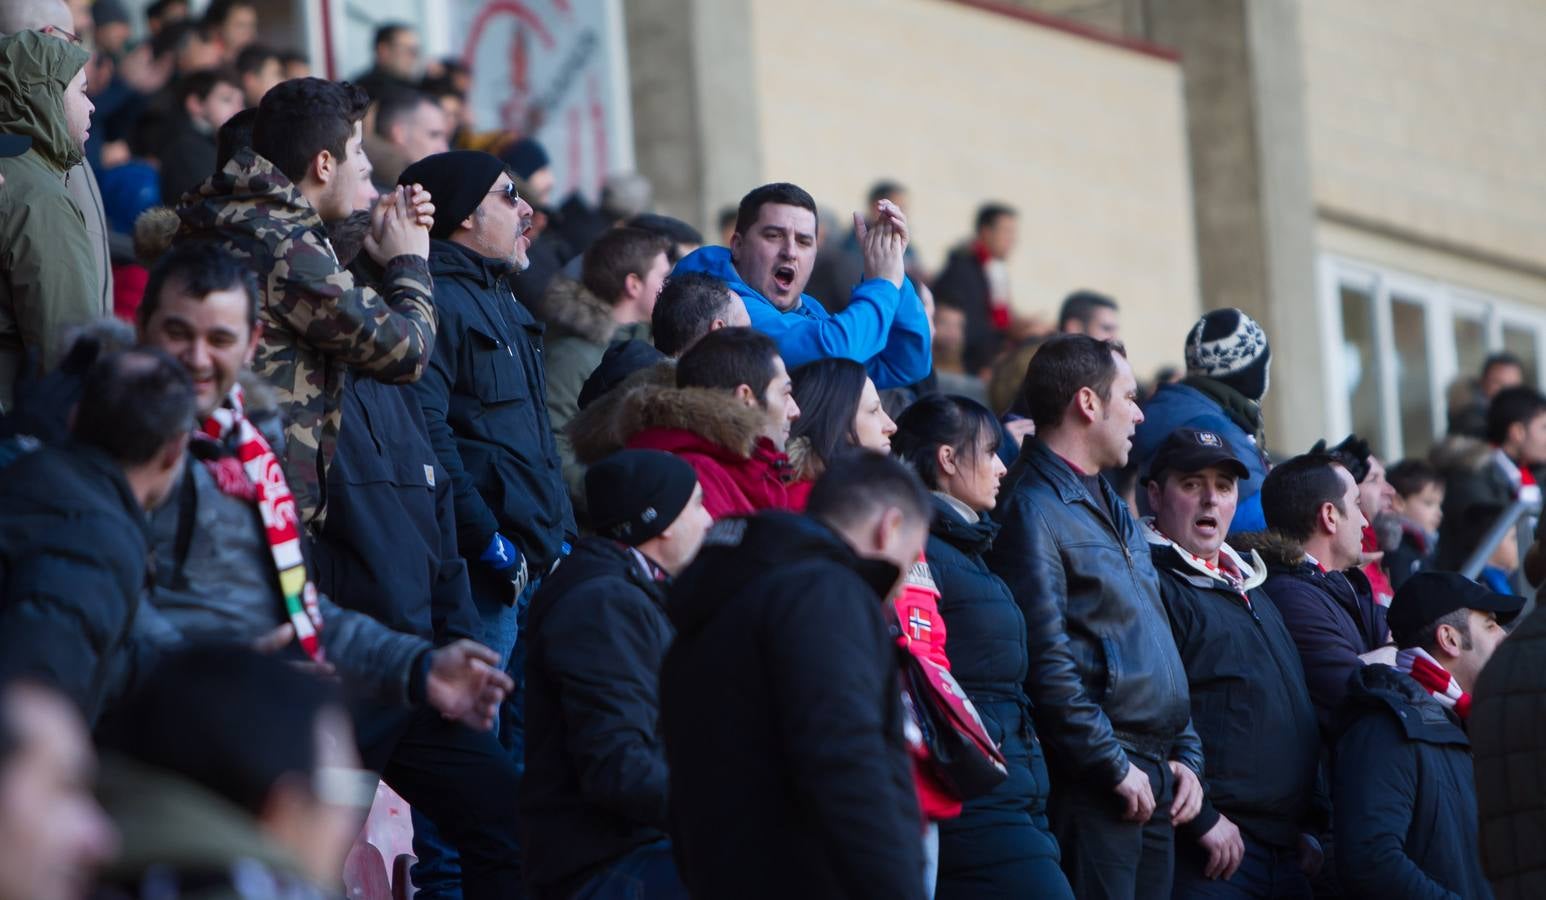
(397, 225)
(464, 684)
(883, 245)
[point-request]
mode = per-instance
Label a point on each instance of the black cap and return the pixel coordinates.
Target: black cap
(1191, 450)
(634, 495)
(1429, 596)
(457, 182)
(14, 144)
(622, 359)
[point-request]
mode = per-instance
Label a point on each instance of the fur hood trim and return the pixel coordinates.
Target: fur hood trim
(154, 232)
(606, 427)
(1273, 547)
(1460, 453)
(570, 309)
(802, 460)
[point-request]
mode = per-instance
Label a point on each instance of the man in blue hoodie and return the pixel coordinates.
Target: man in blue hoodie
(769, 261)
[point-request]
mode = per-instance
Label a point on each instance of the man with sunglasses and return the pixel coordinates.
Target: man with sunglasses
(483, 395)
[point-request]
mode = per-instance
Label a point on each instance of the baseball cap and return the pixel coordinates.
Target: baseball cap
(1192, 450)
(1428, 596)
(14, 144)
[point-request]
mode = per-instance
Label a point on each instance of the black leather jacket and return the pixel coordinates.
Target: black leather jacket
(1105, 678)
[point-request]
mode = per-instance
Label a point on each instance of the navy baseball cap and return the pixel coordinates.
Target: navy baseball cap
(14, 144)
(1429, 596)
(1192, 450)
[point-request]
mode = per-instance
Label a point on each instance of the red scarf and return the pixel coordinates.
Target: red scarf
(998, 297)
(1435, 679)
(254, 474)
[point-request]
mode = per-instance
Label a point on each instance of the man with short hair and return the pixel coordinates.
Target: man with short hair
(53, 835)
(802, 786)
(690, 306)
(1516, 429)
(1313, 552)
(409, 127)
(1091, 313)
(74, 543)
(594, 794)
(397, 51)
(728, 414)
(162, 13)
(1228, 369)
(205, 101)
(1468, 414)
(975, 280)
(1376, 498)
(307, 167)
(1403, 789)
(46, 261)
(260, 69)
(233, 24)
(1256, 833)
(1126, 761)
(769, 262)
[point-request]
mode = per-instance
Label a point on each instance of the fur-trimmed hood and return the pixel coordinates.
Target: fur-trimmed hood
(570, 309)
(154, 231)
(1460, 453)
(1274, 549)
(651, 399)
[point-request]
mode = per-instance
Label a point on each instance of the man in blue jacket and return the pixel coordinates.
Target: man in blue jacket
(1227, 372)
(769, 261)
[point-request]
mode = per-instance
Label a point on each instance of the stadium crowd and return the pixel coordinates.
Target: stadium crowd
(646, 567)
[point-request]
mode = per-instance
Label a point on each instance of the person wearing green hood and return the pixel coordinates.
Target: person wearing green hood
(47, 271)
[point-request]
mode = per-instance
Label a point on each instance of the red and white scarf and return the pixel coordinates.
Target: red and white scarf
(1434, 679)
(255, 474)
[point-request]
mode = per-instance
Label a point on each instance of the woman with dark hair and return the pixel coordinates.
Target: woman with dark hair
(1001, 845)
(839, 409)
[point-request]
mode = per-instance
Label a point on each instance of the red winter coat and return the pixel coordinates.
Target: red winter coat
(917, 609)
(733, 484)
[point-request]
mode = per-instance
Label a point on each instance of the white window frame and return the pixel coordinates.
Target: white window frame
(1441, 302)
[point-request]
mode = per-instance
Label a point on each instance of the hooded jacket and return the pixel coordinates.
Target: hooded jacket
(882, 327)
(1332, 617)
(741, 472)
(1261, 741)
(318, 324)
(781, 708)
(48, 270)
(1104, 677)
(483, 400)
(1403, 795)
(1474, 479)
(1183, 406)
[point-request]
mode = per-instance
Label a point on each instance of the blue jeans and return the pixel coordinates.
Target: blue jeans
(647, 873)
(1265, 873)
(437, 874)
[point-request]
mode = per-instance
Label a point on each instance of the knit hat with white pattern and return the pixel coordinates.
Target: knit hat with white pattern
(1228, 346)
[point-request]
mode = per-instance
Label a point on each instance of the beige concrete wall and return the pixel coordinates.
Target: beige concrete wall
(1087, 140)
(1425, 118)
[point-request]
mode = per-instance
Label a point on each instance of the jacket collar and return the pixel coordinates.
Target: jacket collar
(452, 260)
(1056, 470)
(1196, 571)
(572, 309)
(96, 461)
(973, 538)
(247, 196)
(1422, 718)
(707, 419)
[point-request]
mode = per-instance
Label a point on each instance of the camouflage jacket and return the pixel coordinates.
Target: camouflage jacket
(317, 323)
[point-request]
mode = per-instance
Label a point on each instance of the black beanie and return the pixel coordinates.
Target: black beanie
(1228, 346)
(634, 495)
(622, 359)
(1353, 453)
(457, 182)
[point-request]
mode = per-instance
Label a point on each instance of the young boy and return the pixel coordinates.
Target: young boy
(1419, 502)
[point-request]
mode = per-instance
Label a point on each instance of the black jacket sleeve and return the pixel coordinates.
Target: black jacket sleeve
(837, 674)
(450, 607)
(1330, 657)
(604, 650)
(1374, 789)
(1026, 556)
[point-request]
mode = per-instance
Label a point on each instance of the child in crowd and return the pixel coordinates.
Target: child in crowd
(1419, 502)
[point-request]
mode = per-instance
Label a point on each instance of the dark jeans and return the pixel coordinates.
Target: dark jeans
(459, 778)
(436, 874)
(1106, 856)
(647, 873)
(1266, 873)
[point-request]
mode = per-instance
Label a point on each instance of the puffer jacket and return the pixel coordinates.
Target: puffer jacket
(1105, 677)
(1332, 617)
(318, 324)
(741, 472)
(483, 400)
(48, 271)
(1403, 795)
(989, 659)
(1261, 739)
(1184, 406)
(1507, 707)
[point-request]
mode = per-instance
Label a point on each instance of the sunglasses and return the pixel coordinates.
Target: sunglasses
(509, 192)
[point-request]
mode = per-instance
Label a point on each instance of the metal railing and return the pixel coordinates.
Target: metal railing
(1520, 517)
